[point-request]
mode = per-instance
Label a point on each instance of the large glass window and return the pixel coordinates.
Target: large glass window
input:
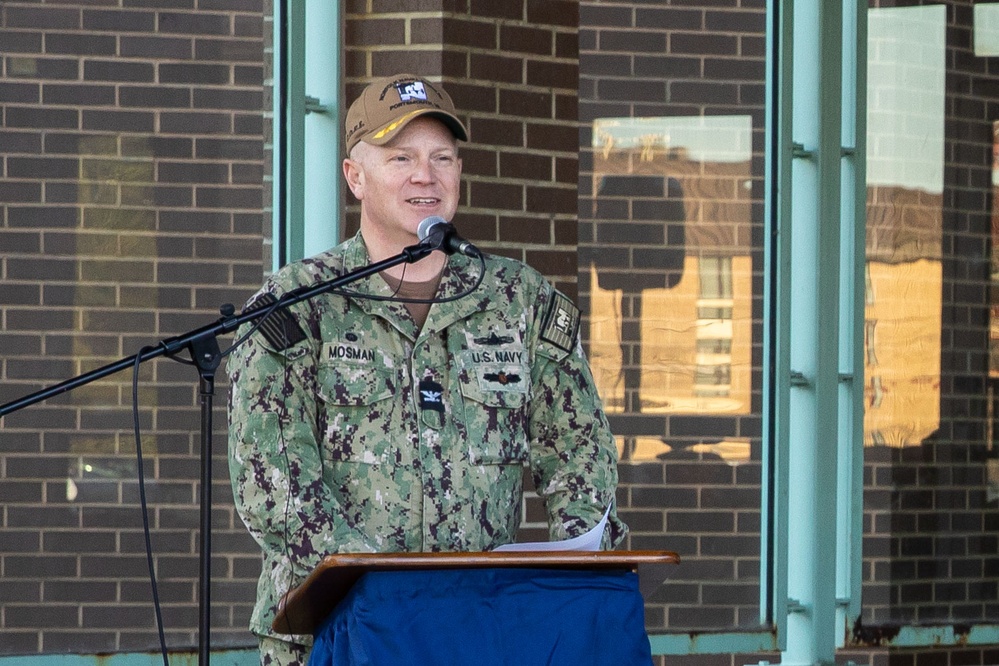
(671, 236)
(671, 220)
(930, 501)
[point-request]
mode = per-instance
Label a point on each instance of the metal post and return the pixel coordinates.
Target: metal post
(814, 335)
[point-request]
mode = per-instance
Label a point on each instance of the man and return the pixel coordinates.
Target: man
(361, 425)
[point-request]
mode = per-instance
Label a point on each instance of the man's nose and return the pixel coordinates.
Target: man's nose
(423, 172)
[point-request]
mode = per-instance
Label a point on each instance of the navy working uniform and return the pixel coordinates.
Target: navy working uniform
(353, 429)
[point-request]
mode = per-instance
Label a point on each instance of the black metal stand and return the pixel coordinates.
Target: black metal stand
(203, 347)
(207, 356)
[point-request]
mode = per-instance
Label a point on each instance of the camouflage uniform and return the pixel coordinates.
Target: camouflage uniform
(353, 431)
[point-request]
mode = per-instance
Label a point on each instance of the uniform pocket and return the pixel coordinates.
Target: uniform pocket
(495, 408)
(355, 412)
(350, 385)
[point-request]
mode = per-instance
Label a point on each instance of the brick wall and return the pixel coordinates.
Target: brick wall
(133, 202)
(130, 209)
(135, 195)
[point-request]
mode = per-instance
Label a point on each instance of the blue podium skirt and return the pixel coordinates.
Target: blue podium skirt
(487, 617)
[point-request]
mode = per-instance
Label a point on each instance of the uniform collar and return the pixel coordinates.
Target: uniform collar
(460, 273)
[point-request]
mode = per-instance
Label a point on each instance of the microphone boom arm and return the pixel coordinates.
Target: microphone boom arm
(202, 345)
(225, 324)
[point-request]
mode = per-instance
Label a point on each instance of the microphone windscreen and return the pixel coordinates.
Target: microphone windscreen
(423, 230)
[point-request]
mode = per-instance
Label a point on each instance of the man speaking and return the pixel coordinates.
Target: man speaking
(398, 415)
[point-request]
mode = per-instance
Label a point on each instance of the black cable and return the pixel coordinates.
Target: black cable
(276, 305)
(142, 502)
(138, 434)
(402, 299)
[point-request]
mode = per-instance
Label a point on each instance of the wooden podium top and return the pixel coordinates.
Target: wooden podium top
(306, 606)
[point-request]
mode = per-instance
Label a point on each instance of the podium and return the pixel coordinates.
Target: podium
(482, 608)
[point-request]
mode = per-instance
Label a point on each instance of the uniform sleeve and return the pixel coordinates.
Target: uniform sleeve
(275, 463)
(573, 454)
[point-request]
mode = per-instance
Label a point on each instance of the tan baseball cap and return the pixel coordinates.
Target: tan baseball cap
(388, 103)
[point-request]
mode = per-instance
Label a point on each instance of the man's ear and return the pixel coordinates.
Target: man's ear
(353, 173)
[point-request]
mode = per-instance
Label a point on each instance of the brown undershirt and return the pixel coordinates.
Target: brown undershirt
(406, 289)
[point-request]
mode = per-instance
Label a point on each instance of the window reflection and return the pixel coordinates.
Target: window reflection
(929, 542)
(905, 160)
(986, 29)
(993, 459)
(671, 271)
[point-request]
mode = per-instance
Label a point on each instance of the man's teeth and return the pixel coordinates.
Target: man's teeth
(422, 201)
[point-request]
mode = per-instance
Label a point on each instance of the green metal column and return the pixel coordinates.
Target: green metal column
(321, 217)
(814, 333)
(777, 321)
(306, 136)
(853, 226)
(287, 131)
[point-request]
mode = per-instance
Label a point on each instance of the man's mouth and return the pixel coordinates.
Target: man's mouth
(423, 202)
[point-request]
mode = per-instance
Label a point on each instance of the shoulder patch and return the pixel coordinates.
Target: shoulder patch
(280, 329)
(560, 324)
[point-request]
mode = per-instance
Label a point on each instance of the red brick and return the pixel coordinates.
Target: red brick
(496, 132)
(501, 69)
(498, 10)
(534, 104)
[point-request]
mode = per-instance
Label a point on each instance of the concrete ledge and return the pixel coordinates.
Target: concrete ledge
(240, 657)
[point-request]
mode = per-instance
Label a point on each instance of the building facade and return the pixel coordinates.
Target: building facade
(619, 147)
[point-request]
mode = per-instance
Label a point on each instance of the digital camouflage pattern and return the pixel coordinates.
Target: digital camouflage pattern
(352, 431)
(276, 652)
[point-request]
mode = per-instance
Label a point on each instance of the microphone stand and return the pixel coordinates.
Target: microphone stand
(203, 347)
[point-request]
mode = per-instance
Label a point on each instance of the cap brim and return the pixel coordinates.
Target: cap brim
(386, 133)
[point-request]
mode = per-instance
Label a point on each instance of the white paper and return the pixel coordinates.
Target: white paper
(590, 541)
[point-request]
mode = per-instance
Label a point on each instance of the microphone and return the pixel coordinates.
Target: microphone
(440, 234)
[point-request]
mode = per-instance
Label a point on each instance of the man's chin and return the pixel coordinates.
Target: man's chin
(422, 215)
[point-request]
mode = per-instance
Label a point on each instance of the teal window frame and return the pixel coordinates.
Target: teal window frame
(306, 136)
(815, 203)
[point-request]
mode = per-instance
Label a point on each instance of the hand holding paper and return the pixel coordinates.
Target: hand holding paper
(589, 541)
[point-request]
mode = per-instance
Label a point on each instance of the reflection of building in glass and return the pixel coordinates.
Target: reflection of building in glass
(713, 372)
(929, 538)
(904, 273)
(902, 339)
(986, 29)
(696, 357)
(993, 460)
(671, 272)
(994, 271)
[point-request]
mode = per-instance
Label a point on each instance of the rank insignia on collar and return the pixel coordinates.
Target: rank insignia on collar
(432, 400)
(560, 324)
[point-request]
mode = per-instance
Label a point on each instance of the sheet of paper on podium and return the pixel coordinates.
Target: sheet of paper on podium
(588, 542)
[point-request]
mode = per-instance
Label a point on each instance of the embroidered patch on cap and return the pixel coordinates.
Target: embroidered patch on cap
(561, 323)
(279, 328)
(411, 90)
